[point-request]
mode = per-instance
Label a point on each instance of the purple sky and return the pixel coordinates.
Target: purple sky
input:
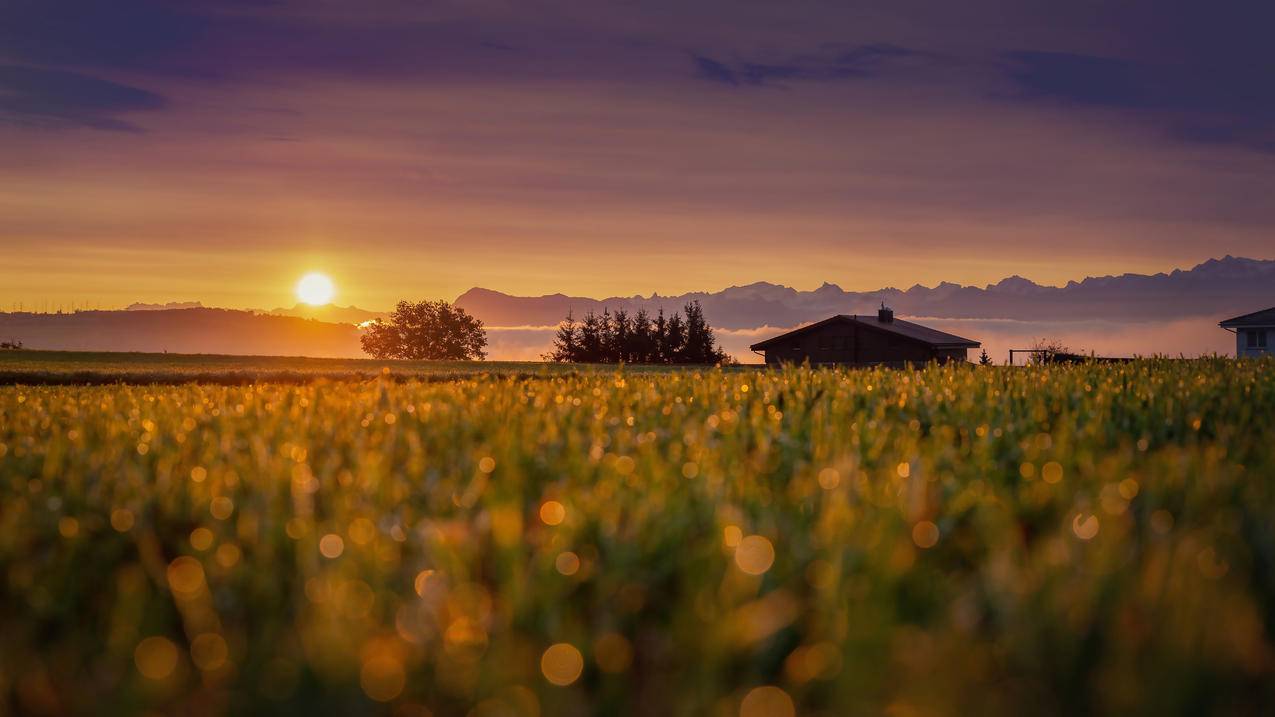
(160, 151)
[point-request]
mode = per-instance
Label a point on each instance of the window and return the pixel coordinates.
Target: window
(1255, 338)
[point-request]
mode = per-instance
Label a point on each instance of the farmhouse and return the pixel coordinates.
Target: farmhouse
(1254, 333)
(864, 340)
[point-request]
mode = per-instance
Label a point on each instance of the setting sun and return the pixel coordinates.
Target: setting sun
(315, 289)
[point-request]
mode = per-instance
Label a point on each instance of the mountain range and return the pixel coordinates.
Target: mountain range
(1220, 287)
(330, 313)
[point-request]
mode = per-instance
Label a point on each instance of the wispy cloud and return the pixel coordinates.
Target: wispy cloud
(830, 62)
(56, 98)
(1195, 103)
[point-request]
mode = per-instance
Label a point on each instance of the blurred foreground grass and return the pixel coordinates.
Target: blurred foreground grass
(1054, 540)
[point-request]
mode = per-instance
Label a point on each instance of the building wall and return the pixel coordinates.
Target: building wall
(1242, 348)
(840, 343)
(945, 355)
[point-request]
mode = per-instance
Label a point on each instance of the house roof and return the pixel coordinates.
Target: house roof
(899, 327)
(1265, 317)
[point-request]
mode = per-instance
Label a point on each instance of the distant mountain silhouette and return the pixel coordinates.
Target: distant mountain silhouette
(1217, 287)
(220, 331)
(331, 313)
(164, 307)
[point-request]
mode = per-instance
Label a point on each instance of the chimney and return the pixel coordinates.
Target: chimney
(884, 315)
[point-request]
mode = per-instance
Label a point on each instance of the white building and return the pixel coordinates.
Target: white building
(1254, 333)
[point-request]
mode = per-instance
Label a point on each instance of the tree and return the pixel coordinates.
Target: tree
(659, 338)
(566, 343)
(592, 331)
(674, 347)
(700, 345)
(643, 342)
(636, 338)
(984, 359)
(426, 330)
(620, 338)
(1050, 351)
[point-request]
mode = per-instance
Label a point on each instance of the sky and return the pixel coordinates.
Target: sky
(216, 151)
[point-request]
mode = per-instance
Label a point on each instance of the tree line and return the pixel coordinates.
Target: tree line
(620, 337)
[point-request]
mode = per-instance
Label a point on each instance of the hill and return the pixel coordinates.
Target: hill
(331, 313)
(191, 331)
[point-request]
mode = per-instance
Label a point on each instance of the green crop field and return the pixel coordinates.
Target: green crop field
(1051, 540)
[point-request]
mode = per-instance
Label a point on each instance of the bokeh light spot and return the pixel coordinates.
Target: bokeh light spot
(562, 664)
(567, 563)
(1085, 525)
(185, 576)
(362, 531)
(552, 512)
(68, 527)
(201, 539)
(925, 534)
(613, 652)
(421, 582)
(754, 555)
(221, 507)
(331, 546)
(156, 657)
(1051, 472)
(767, 701)
(122, 519)
(209, 651)
(227, 555)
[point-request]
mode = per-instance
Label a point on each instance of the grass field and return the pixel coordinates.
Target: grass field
(1053, 540)
(54, 368)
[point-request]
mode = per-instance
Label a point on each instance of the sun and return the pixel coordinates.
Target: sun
(315, 289)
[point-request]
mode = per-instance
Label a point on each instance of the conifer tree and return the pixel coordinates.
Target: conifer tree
(643, 345)
(659, 339)
(700, 346)
(591, 337)
(566, 342)
(675, 340)
(695, 349)
(621, 342)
